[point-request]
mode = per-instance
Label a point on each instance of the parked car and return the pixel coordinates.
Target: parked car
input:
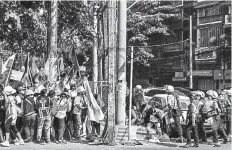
(149, 93)
(187, 92)
(160, 102)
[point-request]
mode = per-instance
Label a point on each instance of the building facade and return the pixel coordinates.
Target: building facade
(211, 47)
(213, 50)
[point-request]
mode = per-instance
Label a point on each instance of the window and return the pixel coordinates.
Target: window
(207, 33)
(210, 11)
(157, 102)
(154, 92)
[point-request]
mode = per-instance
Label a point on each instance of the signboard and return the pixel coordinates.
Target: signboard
(206, 73)
(165, 74)
(218, 74)
(206, 55)
(121, 133)
(141, 81)
(172, 47)
(178, 78)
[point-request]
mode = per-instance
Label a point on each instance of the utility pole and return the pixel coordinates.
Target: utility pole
(105, 44)
(191, 53)
(131, 86)
(121, 63)
(111, 70)
(100, 43)
(48, 31)
(53, 42)
(95, 62)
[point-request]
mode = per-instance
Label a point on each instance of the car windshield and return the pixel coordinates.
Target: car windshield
(183, 90)
(157, 101)
(179, 93)
(154, 92)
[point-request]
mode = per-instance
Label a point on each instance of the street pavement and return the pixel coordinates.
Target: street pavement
(78, 146)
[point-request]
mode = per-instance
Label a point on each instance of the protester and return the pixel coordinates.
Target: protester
(19, 103)
(78, 103)
(11, 116)
(43, 107)
(152, 119)
(29, 116)
(52, 97)
(2, 112)
(63, 106)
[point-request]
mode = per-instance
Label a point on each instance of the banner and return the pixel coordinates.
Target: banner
(206, 55)
(94, 111)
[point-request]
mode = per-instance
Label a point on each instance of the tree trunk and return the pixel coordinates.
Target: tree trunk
(53, 42)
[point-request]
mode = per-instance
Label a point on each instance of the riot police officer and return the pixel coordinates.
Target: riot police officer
(228, 105)
(174, 110)
(202, 115)
(215, 114)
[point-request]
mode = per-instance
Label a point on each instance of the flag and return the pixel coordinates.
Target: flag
(94, 111)
(61, 64)
(73, 58)
(26, 78)
(8, 64)
(46, 67)
(6, 69)
(33, 66)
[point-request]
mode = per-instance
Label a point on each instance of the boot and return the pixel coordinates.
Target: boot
(217, 145)
(188, 145)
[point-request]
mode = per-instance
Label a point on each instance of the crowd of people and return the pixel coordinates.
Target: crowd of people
(210, 105)
(37, 114)
(42, 115)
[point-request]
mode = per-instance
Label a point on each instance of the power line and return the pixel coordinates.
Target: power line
(159, 45)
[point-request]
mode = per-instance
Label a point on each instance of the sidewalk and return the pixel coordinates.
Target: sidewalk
(78, 146)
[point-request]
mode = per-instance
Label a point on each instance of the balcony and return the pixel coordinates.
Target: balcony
(227, 19)
(210, 19)
(178, 3)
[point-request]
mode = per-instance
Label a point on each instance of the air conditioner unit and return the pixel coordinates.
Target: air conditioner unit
(227, 19)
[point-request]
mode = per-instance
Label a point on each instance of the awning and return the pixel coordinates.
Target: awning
(205, 4)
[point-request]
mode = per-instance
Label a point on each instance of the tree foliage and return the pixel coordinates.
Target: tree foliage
(145, 20)
(24, 26)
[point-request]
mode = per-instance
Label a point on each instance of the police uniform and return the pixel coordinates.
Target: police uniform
(174, 108)
(217, 123)
(202, 110)
(228, 114)
(191, 125)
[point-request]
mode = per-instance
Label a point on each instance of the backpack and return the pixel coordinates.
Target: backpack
(206, 106)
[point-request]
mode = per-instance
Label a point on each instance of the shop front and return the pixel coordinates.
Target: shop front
(203, 80)
(218, 77)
